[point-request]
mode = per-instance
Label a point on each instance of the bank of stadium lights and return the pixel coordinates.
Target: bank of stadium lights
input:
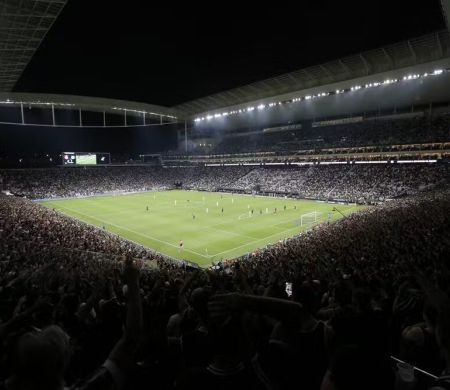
(412, 77)
(375, 84)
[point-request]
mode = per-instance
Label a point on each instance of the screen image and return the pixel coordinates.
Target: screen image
(74, 158)
(86, 159)
(69, 159)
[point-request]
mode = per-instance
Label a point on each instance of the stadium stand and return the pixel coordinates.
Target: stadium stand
(368, 276)
(372, 285)
(415, 128)
(358, 183)
(359, 303)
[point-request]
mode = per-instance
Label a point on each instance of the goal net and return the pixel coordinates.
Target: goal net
(309, 218)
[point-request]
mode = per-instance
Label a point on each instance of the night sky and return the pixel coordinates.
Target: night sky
(165, 53)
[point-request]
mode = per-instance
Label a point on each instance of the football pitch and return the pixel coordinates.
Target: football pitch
(212, 226)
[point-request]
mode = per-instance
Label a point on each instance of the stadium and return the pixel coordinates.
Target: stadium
(180, 211)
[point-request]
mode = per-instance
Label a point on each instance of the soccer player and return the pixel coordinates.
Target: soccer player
(181, 246)
(275, 210)
(222, 210)
(193, 216)
(147, 208)
(284, 207)
(260, 211)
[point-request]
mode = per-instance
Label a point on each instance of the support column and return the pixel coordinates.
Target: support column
(53, 115)
(104, 118)
(21, 112)
(185, 137)
(125, 117)
(81, 120)
(143, 117)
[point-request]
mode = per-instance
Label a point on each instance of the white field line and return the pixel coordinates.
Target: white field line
(169, 206)
(229, 219)
(252, 242)
(260, 239)
(172, 245)
(132, 231)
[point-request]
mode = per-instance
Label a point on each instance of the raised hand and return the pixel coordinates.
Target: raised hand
(131, 271)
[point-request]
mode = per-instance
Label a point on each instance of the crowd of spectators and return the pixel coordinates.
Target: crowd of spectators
(72, 182)
(369, 132)
(362, 183)
(359, 183)
(80, 307)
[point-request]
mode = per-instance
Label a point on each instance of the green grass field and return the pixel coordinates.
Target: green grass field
(213, 235)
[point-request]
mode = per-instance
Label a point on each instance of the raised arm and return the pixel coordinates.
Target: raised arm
(120, 359)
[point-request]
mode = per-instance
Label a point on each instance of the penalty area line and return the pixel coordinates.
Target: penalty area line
(253, 242)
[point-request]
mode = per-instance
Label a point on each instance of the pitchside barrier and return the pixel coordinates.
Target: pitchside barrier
(102, 194)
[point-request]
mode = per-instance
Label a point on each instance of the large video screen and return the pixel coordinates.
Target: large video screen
(86, 159)
(71, 158)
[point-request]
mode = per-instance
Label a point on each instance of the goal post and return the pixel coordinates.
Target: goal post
(309, 218)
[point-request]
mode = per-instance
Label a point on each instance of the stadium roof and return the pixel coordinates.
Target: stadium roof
(25, 23)
(23, 26)
(424, 49)
(85, 103)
